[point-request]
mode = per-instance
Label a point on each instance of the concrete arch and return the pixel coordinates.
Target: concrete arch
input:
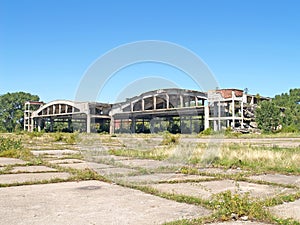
(59, 107)
(161, 105)
(161, 99)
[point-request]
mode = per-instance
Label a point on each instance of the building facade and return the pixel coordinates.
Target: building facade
(175, 110)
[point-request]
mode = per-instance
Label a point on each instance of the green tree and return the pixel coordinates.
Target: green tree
(289, 104)
(12, 110)
(268, 116)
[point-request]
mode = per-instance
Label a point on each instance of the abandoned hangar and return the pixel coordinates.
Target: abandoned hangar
(175, 110)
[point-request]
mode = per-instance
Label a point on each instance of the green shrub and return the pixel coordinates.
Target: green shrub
(228, 204)
(9, 144)
(170, 139)
(72, 138)
(69, 138)
(206, 132)
(290, 129)
(35, 134)
(13, 149)
(58, 137)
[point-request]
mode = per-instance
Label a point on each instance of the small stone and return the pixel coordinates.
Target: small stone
(234, 216)
(244, 218)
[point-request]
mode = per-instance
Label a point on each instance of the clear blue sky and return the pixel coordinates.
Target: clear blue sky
(46, 46)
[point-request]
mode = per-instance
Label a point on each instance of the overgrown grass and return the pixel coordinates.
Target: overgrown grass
(12, 148)
(244, 156)
(9, 144)
(156, 153)
(85, 174)
(68, 138)
(170, 139)
(228, 205)
(276, 159)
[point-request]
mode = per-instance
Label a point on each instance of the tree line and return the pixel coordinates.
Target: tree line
(12, 110)
(281, 113)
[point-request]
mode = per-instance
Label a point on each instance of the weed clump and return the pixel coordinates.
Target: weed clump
(207, 132)
(9, 144)
(13, 149)
(69, 138)
(170, 139)
(35, 134)
(230, 205)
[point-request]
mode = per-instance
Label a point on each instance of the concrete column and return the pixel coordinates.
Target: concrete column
(131, 106)
(112, 125)
(203, 122)
(31, 125)
(51, 124)
(69, 124)
(59, 108)
(181, 101)
(39, 123)
(219, 116)
(180, 122)
(242, 114)
(154, 102)
(88, 123)
(233, 113)
(196, 101)
(132, 127)
(215, 116)
(143, 104)
(168, 101)
(152, 125)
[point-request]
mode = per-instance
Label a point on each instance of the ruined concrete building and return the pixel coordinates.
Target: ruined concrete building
(175, 110)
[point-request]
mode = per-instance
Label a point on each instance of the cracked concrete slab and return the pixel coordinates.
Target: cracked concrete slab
(66, 161)
(146, 163)
(30, 177)
(162, 177)
(220, 171)
(206, 189)
(84, 165)
(89, 202)
(107, 157)
(54, 152)
(287, 210)
(32, 169)
(278, 178)
(11, 161)
(113, 171)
